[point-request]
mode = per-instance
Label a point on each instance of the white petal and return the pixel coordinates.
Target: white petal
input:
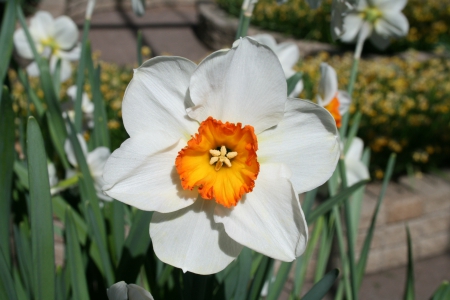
(356, 171)
(72, 92)
(392, 24)
(190, 239)
(71, 153)
(297, 89)
(118, 291)
(265, 39)
(344, 102)
(96, 160)
(352, 25)
(288, 54)
(21, 44)
(157, 97)
(33, 69)
(390, 5)
(71, 55)
(87, 105)
(328, 84)
(142, 173)
(306, 141)
(66, 68)
(356, 148)
(136, 292)
(268, 220)
(42, 25)
(362, 4)
(245, 84)
(66, 32)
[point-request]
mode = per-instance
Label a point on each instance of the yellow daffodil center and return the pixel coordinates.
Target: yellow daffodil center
(372, 14)
(51, 43)
(221, 161)
(333, 108)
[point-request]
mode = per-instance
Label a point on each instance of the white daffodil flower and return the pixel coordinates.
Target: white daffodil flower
(220, 153)
(123, 291)
(377, 19)
(96, 161)
(86, 104)
(337, 102)
(355, 168)
(339, 10)
(54, 39)
(52, 178)
(287, 53)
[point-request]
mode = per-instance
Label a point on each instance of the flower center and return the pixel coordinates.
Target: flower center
(333, 108)
(221, 161)
(51, 43)
(372, 14)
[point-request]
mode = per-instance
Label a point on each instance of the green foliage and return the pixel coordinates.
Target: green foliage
(430, 23)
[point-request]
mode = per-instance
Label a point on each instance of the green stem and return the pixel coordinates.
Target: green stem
(351, 85)
(245, 17)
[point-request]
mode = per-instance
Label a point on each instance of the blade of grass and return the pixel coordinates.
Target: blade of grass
(20, 290)
(74, 259)
(353, 131)
(7, 139)
(245, 266)
(57, 77)
(320, 289)
(442, 291)
(6, 280)
(6, 38)
(80, 76)
(31, 93)
(59, 209)
(40, 214)
(368, 240)
(309, 201)
(350, 231)
(325, 247)
(409, 293)
(335, 200)
(24, 257)
(100, 242)
(261, 277)
(276, 287)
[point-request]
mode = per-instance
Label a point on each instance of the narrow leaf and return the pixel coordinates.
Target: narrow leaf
(409, 288)
(6, 38)
(6, 279)
(260, 278)
(276, 288)
(320, 289)
(245, 265)
(40, 214)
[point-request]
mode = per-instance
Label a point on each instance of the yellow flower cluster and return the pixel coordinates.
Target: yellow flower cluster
(405, 101)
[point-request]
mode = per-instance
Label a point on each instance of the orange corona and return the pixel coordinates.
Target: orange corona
(220, 160)
(333, 108)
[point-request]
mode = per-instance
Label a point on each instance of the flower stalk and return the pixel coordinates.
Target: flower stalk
(245, 17)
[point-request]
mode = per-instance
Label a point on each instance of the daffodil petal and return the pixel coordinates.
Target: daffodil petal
(297, 89)
(21, 44)
(352, 25)
(142, 173)
(268, 220)
(328, 84)
(97, 159)
(306, 140)
(71, 153)
(344, 102)
(190, 239)
(228, 85)
(393, 24)
(66, 32)
(71, 55)
(389, 5)
(42, 25)
(136, 292)
(33, 69)
(66, 68)
(157, 97)
(356, 171)
(288, 54)
(118, 291)
(356, 148)
(265, 39)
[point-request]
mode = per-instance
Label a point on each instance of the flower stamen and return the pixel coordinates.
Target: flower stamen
(221, 157)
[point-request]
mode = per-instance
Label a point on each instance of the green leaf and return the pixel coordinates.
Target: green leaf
(292, 82)
(409, 288)
(31, 93)
(101, 245)
(320, 289)
(6, 38)
(80, 75)
(40, 214)
(59, 209)
(6, 279)
(261, 277)
(336, 200)
(57, 77)
(135, 247)
(245, 265)
(117, 222)
(368, 240)
(309, 201)
(325, 247)
(74, 259)
(353, 131)
(276, 287)
(24, 256)
(443, 291)
(7, 139)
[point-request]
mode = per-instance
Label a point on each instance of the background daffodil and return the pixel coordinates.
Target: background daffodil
(183, 119)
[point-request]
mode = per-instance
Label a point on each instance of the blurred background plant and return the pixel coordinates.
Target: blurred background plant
(429, 22)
